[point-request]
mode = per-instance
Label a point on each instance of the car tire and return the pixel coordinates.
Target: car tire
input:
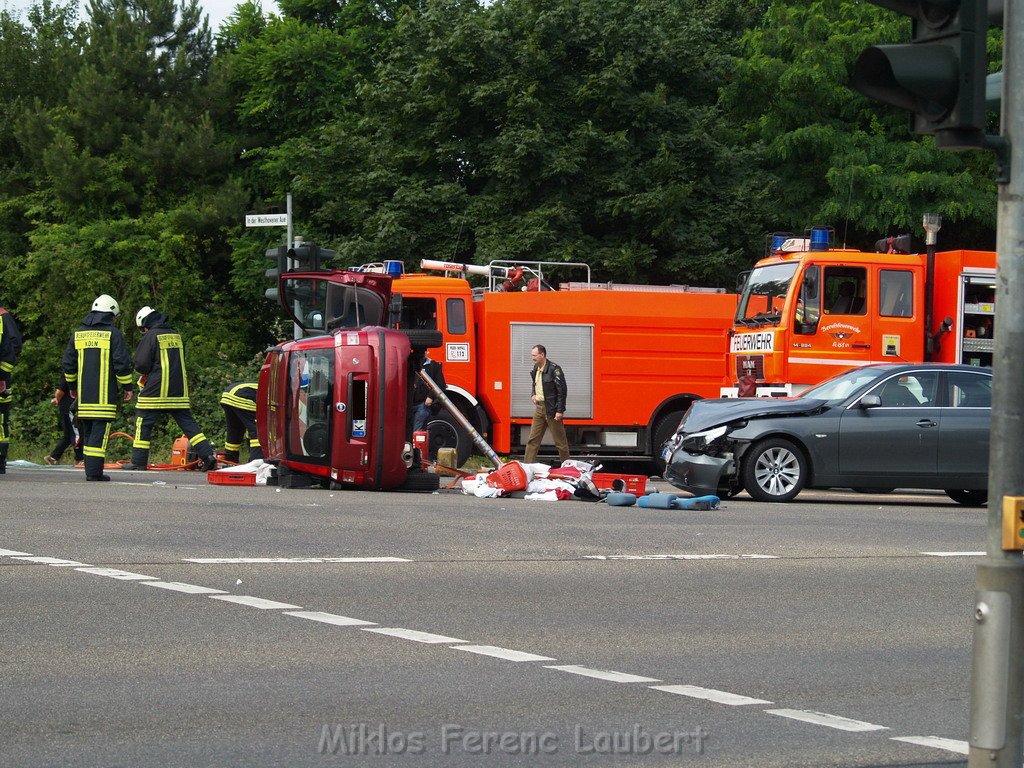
(445, 432)
(423, 338)
(774, 470)
(418, 480)
(664, 429)
(968, 498)
(872, 489)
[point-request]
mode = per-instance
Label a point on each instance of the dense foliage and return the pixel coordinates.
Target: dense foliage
(655, 140)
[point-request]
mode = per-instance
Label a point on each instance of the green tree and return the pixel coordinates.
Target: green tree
(529, 130)
(834, 157)
(131, 194)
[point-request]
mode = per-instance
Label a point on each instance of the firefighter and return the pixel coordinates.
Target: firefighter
(548, 394)
(239, 404)
(160, 358)
(10, 347)
(95, 362)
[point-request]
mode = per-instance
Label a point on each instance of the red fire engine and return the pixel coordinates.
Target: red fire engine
(809, 311)
(634, 356)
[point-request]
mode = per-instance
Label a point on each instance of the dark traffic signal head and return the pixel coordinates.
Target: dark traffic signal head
(280, 256)
(940, 76)
(310, 257)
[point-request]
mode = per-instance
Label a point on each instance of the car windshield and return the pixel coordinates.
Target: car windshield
(764, 294)
(842, 386)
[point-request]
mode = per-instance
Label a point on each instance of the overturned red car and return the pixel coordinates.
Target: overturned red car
(333, 407)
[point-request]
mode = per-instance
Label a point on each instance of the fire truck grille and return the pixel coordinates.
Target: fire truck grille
(750, 365)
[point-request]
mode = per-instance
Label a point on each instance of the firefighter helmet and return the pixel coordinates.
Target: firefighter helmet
(105, 303)
(142, 314)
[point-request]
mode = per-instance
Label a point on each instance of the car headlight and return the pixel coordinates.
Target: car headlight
(698, 442)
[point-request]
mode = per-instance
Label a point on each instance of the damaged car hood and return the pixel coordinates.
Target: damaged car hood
(705, 414)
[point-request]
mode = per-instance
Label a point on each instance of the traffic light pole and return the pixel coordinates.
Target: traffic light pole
(997, 674)
(296, 328)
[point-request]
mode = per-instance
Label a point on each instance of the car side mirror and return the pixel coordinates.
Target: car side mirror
(870, 401)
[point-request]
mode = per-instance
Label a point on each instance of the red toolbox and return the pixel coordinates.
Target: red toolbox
(635, 484)
(231, 478)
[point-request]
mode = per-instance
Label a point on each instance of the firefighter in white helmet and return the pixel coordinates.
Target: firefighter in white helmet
(95, 364)
(160, 358)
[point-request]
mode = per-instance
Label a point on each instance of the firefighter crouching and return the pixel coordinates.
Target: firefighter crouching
(239, 404)
(95, 363)
(160, 358)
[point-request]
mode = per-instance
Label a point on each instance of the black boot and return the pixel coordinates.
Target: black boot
(140, 460)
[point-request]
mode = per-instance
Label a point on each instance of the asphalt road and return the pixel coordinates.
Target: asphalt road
(440, 629)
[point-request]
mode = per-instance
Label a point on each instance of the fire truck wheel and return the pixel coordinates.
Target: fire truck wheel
(445, 433)
(663, 430)
(774, 470)
(423, 338)
(421, 481)
(968, 498)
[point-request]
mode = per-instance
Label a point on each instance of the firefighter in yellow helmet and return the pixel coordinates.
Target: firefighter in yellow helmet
(95, 364)
(160, 358)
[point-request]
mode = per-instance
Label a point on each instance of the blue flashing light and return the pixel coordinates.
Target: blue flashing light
(821, 238)
(778, 240)
(394, 268)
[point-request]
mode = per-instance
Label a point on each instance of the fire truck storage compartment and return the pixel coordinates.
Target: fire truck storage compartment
(571, 347)
(975, 334)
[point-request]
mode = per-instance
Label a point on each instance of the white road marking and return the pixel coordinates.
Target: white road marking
(413, 634)
(602, 674)
(116, 573)
(829, 721)
(502, 653)
(680, 557)
(177, 586)
(260, 560)
(330, 618)
(254, 602)
(950, 745)
(57, 561)
(12, 553)
(719, 697)
(954, 554)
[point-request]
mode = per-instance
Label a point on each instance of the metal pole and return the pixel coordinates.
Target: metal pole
(932, 223)
(996, 679)
(478, 439)
(296, 328)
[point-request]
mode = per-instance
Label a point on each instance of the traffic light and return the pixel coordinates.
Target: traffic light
(280, 256)
(939, 76)
(310, 257)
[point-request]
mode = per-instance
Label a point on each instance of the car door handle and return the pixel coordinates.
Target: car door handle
(927, 423)
(861, 346)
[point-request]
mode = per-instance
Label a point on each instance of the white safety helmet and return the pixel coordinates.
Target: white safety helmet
(142, 314)
(105, 303)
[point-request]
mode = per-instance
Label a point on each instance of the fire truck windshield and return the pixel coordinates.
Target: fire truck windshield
(764, 294)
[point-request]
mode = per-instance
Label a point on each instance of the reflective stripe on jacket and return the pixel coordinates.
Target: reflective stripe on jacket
(95, 362)
(240, 395)
(160, 357)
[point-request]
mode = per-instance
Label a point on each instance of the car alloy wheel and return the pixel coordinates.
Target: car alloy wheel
(774, 470)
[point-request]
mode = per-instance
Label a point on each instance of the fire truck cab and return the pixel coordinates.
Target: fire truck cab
(809, 311)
